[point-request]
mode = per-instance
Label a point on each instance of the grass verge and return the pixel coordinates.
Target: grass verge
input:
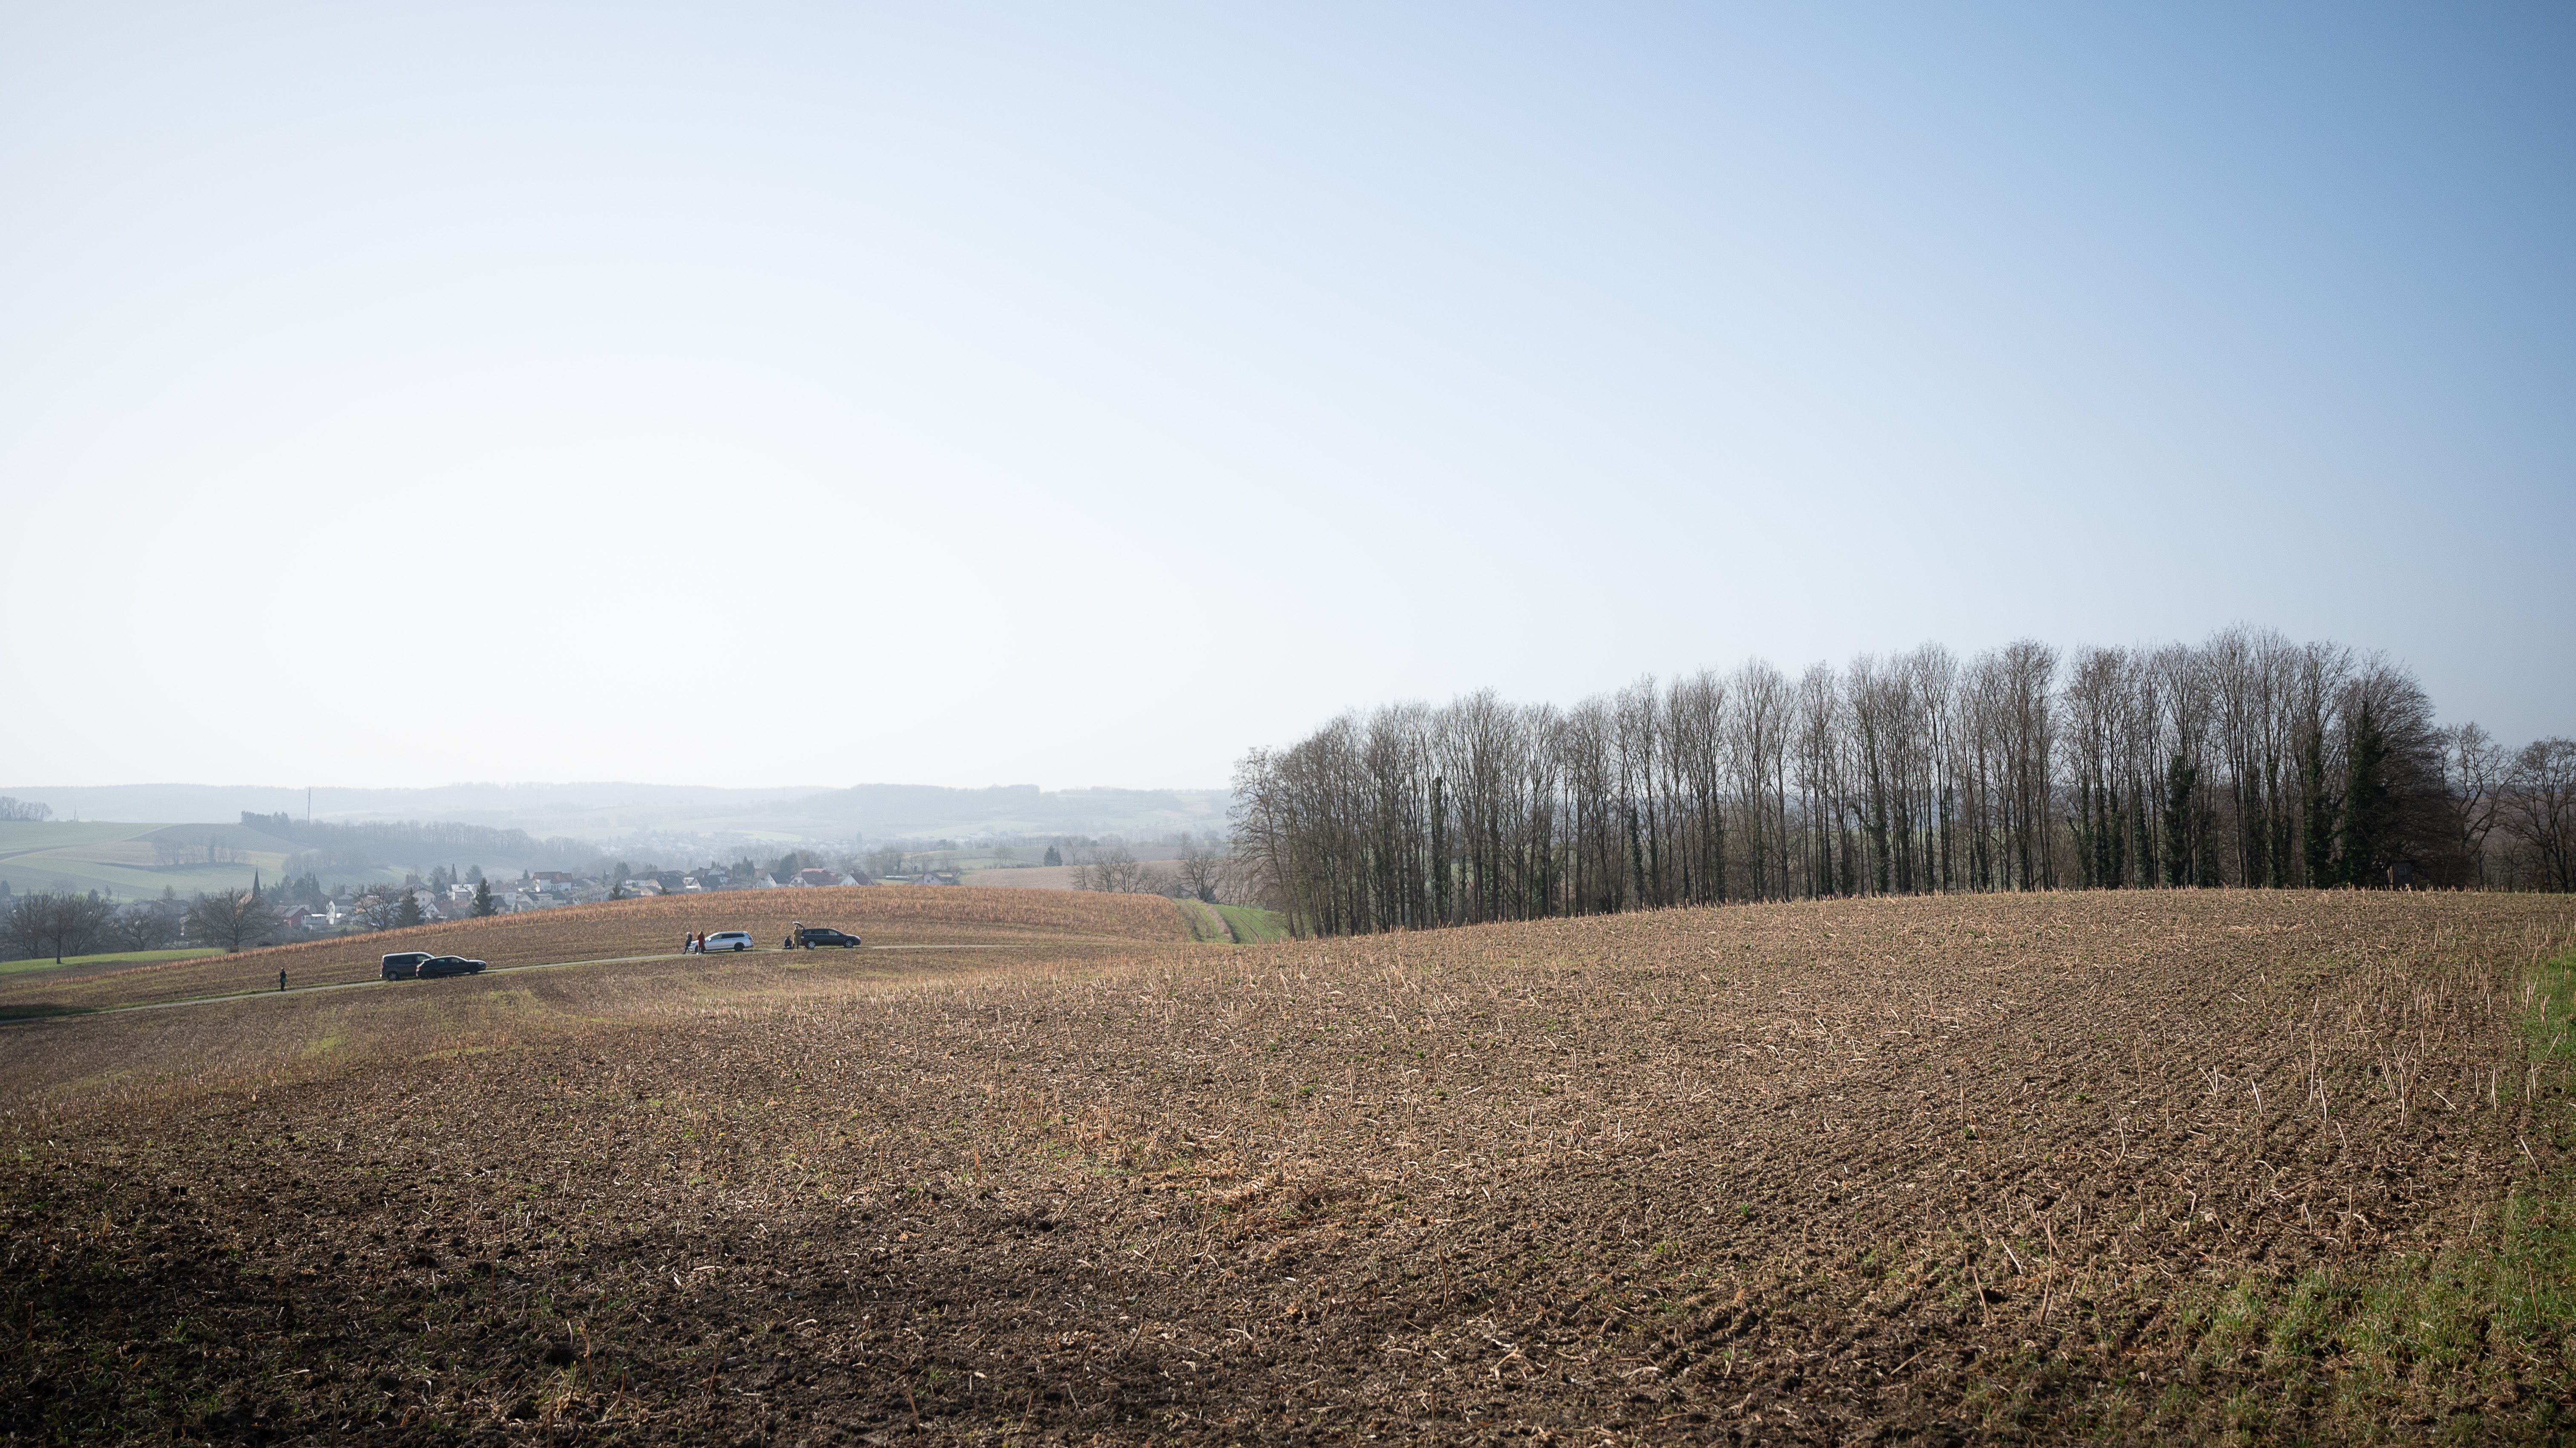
(1203, 921)
(117, 957)
(1254, 927)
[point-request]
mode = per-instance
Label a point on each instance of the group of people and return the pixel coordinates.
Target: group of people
(693, 943)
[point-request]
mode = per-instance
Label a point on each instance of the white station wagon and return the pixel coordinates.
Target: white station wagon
(729, 940)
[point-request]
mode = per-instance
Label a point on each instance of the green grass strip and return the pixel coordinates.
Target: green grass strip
(1252, 926)
(2474, 1341)
(121, 957)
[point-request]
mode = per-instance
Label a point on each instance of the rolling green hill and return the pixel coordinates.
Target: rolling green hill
(20, 836)
(137, 861)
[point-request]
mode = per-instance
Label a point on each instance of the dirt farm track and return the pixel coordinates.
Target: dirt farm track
(2192, 1165)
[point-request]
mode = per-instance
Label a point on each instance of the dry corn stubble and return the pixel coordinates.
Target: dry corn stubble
(882, 915)
(1802, 1171)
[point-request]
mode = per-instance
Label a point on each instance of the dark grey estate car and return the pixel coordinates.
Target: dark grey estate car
(438, 966)
(404, 964)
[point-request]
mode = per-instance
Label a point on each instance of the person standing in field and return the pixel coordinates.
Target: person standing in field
(281, 980)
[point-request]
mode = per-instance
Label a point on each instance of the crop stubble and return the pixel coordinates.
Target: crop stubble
(883, 915)
(1815, 1171)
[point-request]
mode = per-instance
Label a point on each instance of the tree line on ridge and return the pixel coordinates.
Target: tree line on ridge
(2247, 760)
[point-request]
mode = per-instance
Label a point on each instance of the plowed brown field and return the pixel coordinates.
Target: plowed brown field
(2190, 1164)
(655, 925)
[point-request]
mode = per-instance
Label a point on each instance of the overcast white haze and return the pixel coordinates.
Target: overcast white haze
(1079, 395)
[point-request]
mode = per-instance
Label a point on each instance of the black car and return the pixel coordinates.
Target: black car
(812, 936)
(404, 964)
(440, 966)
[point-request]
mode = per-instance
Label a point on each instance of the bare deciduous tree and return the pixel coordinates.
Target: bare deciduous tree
(2476, 768)
(1112, 868)
(144, 926)
(382, 910)
(231, 919)
(21, 937)
(2539, 810)
(59, 923)
(1202, 871)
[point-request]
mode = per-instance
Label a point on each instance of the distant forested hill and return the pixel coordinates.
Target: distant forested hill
(327, 846)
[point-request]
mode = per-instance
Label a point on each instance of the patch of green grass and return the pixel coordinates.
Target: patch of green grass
(328, 1044)
(1203, 921)
(17, 836)
(2471, 1335)
(2467, 1341)
(109, 857)
(120, 957)
(2551, 1022)
(55, 870)
(1252, 926)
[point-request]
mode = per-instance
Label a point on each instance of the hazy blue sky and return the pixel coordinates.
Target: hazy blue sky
(1079, 395)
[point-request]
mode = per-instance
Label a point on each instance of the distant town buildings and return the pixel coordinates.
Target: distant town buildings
(376, 907)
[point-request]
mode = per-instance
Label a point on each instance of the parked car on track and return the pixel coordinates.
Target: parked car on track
(438, 966)
(729, 940)
(814, 935)
(404, 964)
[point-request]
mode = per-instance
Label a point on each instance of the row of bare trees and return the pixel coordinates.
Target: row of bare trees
(66, 923)
(52, 923)
(1204, 870)
(2246, 760)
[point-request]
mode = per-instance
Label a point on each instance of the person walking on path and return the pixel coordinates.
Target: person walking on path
(688, 944)
(281, 980)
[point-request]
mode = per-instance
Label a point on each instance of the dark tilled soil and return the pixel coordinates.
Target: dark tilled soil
(1923, 1171)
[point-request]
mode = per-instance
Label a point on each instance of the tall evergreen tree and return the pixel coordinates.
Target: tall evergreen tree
(2142, 842)
(2249, 816)
(2369, 805)
(2180, 780)
(2317, 812)
(1439, 850)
